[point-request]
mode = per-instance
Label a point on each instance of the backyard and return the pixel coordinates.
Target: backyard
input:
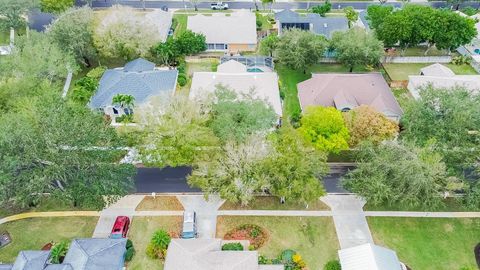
(34, 233)
(314, 238)
(140, 233)
(400, 72)
(289, 79)
(429, 243)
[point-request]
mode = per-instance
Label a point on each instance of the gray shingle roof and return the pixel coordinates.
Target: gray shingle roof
(96, 254)
(138, 78)
(31, 260)
(363, 17)
(6, 267)
(39, 21)
(321, 25)
(59, 267)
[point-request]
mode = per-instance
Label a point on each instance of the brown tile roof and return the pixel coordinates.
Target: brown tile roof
(347, 91)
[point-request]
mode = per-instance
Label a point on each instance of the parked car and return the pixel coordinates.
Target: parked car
(219, 6)
(189, 225)
(120, 227)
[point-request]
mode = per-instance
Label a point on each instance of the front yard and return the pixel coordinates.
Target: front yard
(429, 243)
(400, 72)
(141, 232)
(34, 233)
(314, 238)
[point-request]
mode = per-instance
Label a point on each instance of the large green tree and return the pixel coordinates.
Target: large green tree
(450, 117)
(236, 117)
(73, 32)
(325, 128)
(268, 45)
(56, 6)
(404, 174)
(38, 58)
(178, 135)
(63, 149)
(235, 174)
(376, 14)
(300, 49)
(294, 168)
(13, 12)
(189, 43)
(356, 47)
(453, 30)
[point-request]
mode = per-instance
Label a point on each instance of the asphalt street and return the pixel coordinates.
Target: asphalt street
(251, 5)
(174, 180)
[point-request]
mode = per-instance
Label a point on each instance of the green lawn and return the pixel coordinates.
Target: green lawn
(140, 233)
(400, 72)
(273, 203)
(314, 238)
(429, 243)
(290, 78)
(160, 203)
(266, 25)
(34, 233)
(419, 51)
(451, 205)
(181, 20)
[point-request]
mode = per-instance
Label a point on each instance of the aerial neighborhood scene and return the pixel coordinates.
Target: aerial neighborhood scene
(239, 135)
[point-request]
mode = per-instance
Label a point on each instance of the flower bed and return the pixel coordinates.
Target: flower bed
(257, 235)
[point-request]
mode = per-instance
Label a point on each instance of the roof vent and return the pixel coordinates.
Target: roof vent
(325, 25)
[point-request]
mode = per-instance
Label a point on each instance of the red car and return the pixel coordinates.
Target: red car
(120, 227)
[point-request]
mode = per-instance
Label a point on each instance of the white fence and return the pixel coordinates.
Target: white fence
(418, 59)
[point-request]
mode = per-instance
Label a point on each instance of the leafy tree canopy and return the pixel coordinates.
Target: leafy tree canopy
(269, 44)
(399, 174)
(366, 124)
(325, 128)
(12, 13)
(56, 6)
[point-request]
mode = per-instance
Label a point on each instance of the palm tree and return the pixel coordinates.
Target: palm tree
(125, 101)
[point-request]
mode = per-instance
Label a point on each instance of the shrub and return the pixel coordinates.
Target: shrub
(182, 79)
(129, 254)
(254, 233)
(84, 88)
(232, 246)
(126, 118)
(97, 72)
(259, 23)
(58, 252)
(287, 255)
(461, 60)
(333, 265)
(158, 245)
(129, 244)
(298, 261)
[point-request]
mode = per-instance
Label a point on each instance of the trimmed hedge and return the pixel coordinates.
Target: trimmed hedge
(232, 246)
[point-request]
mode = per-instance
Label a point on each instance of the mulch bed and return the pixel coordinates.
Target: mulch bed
(257, 235)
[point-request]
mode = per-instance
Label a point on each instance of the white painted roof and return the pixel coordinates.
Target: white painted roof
(162, 20)
(470, 82)
(369, 257)
(437, 70)
(233, 75)
(238, 28)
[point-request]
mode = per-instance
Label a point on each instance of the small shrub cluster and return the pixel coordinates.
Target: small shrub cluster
(85, 87)
(182, 73)
(130, 251)
(126, 118)
(461, 60)
(333, 265)
(58, 252)
(289, 258)
(157, 248)
(232, 246)
(254, 233)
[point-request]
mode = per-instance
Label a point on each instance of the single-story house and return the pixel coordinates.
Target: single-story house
(162, 20)
(83, 254)
(348, 91)
(440, 76)
(234, 32)
(207, 254)
(369, 257)
(237, 76)
(138, 78)
(313, 22)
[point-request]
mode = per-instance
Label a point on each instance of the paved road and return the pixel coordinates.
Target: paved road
(251, 5)
(166, 180)
(174, 180)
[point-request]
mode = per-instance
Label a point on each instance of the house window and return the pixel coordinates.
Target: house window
(115, 111)
(210, 46)
(220, 46)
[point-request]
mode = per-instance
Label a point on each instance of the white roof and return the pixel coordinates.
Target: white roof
(162, 20)
(437, 70)
(238, 28)
(470, 82)
(369, 257)
(206, 254)
(233, 74)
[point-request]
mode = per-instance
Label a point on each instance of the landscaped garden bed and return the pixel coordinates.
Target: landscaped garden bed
(34, 233)
(314, 238)
(256, 235)
(429, 243)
